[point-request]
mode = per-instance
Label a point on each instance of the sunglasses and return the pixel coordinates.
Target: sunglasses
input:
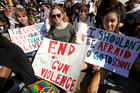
(58, 15)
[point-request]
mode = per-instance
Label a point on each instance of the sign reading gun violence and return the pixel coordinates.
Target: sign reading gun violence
(59, 63)
(112, 51)
(28, 38)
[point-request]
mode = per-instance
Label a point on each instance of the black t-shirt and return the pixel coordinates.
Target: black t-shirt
(14, 58)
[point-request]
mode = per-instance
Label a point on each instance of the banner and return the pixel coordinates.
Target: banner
(111, 51)
(28, 38)
(59, 63)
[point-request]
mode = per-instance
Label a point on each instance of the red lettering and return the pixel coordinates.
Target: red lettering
(32, 29)
(67, 83)
(54, 67)
(121, 63)
(65, 69)
(106, 45)
(58, 77)
(34, 45)
(72, 85)
(38, 44)
(45, 74)
(26, 49)
(16, 37)
(60, 66)
(62, 48)
(127, 54)
(125, 65)
(24, 30)
(110, 48)
(51, 77)
(51, 47)
(121, 52)
(114, 61)
(49, 74)
(19, 42)
(100, 46)
(72, 49)
(63, 80)
(30, 46)
(43, 70)
(117, 51)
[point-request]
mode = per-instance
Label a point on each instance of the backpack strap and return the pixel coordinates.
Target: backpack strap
(90, 19)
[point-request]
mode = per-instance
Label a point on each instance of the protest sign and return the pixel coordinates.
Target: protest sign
(28, 38)
(111, 51)
(59, 63)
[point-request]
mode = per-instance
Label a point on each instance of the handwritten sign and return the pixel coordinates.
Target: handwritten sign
(111, 51)
(28, 38)
(59, 63)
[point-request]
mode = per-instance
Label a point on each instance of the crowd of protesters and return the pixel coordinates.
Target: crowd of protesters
(68, 22)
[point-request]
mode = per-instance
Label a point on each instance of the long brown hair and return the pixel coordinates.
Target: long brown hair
(22, 11)
(65, 18)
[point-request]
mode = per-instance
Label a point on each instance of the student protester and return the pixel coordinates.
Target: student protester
(60, 29)
(110, 22)
(107, 4)
(82, 23)
(24, 20)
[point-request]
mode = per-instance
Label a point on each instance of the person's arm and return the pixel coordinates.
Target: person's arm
(98, 77)
(83, 37)
(4, 75)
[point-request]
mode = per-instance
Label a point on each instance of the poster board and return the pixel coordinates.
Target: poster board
(59, 62)
(28, 38)
(111, 51)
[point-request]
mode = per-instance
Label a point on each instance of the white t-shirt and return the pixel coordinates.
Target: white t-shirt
(81, 29)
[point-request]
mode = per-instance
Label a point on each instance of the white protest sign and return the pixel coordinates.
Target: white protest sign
(28, 38)
(111, 51)
(59, 62)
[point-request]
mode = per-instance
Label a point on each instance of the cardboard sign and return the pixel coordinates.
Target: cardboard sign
(28, 38)
(59, 63)
(111, 51)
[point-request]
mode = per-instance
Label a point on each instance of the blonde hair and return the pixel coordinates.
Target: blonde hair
(22, 11)
(65, 18)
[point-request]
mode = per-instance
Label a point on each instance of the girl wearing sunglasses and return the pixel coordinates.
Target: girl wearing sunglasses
(60, 28)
